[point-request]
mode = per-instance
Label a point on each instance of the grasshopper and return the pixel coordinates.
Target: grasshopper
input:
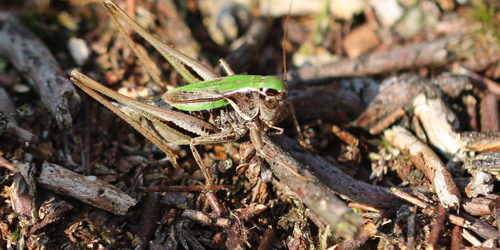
(237, 104)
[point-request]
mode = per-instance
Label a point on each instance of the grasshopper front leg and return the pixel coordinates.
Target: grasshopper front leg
(256, 138)
(221, 137)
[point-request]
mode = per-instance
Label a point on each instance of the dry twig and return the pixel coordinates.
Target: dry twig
(36, 64)
(310, 190)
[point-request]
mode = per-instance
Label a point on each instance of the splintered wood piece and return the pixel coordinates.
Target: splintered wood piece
(367, 232)
(428, 162)
(484, 162)
(392, 101)
(480, 141)
(87, 189)
(6, 164)
(471, 238)
(352, 153)
(496, 211)
(435, 118)
(481, 228)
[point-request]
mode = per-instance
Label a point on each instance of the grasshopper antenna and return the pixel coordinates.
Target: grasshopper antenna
(290, 106)
(284, 40)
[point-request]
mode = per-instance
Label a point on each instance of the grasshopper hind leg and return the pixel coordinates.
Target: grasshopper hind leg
(208, 178)
(90, 86)
(114, 12)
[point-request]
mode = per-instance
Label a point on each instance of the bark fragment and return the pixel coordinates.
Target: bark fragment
(480, 141)
(396, 96)
(85, 188)
(477, 206)
(23, 193)
(484, 162)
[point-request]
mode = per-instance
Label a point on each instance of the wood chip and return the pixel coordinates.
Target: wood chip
(428, 162)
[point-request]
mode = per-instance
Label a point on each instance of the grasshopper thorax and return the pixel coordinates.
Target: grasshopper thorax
(272, 83)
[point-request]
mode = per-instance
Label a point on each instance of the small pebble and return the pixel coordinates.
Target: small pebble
(79, 50)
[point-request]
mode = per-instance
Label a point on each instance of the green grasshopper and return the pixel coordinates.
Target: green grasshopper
(236, 103)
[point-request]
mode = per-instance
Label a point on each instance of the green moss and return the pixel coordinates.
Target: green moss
(487, 13)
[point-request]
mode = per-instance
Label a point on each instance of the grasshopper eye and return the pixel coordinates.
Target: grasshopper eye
(271, 102)
(269, 92)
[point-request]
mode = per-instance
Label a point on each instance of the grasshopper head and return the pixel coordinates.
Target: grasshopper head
(273, 100)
